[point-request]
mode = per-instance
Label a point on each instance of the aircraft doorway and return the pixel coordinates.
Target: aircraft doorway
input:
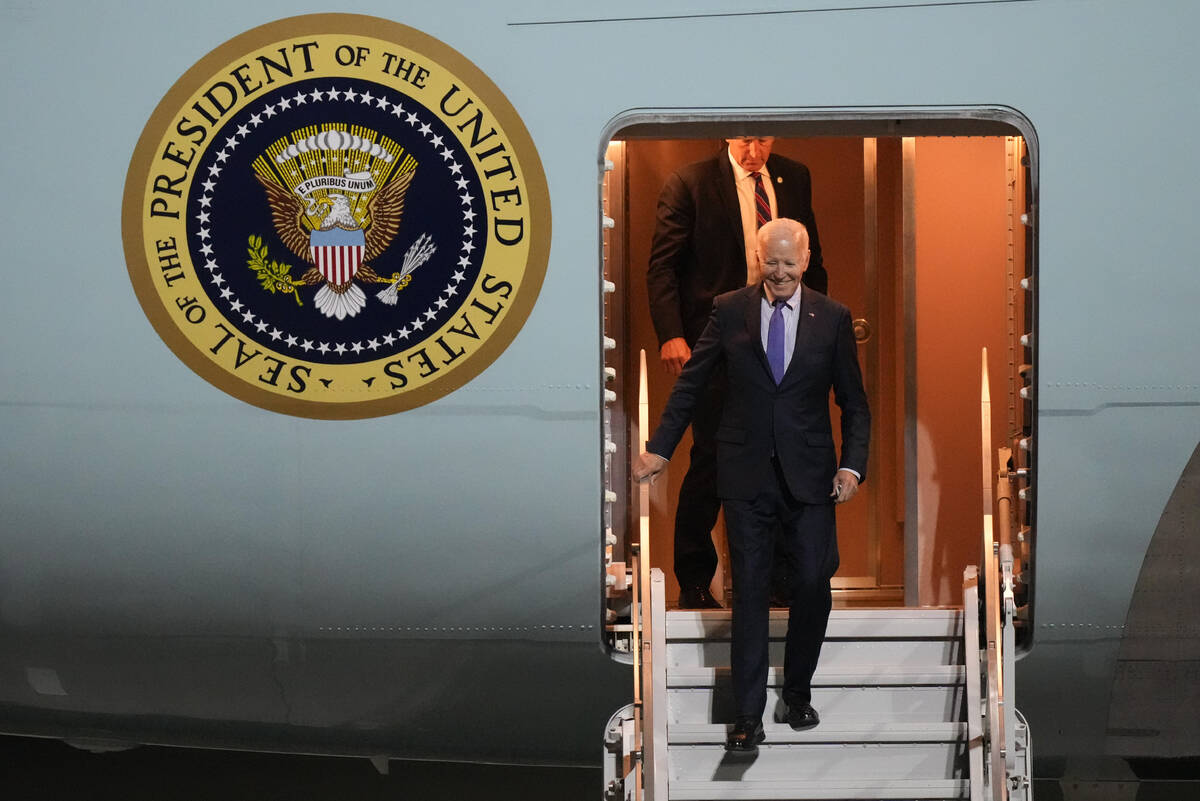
(923, 239)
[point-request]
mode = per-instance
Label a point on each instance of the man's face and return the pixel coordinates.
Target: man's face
(751, 152)
(782, 263)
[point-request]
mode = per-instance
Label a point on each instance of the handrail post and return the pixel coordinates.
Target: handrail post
(654, 688)
(646, 730)
(635, 619)
(974, 703)
(995, 679)
(652, 642)
(996, 701)
(654, 705)
(1009, 649)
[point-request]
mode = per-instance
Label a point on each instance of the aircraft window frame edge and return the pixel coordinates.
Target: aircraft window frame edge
(892, 121)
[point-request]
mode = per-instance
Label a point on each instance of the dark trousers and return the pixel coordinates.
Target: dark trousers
(810, 543)
(696, 514)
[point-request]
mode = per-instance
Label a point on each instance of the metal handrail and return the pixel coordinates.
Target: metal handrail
(993, 722)
(639, 779)
(974, 682)
(649, 615)
(1008, 650)
(994, 674)
(654, 708)
(998, 680)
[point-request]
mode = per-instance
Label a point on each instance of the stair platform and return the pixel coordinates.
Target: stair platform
(826, 790)
(827, 732)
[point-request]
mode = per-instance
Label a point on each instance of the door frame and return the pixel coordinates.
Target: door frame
(868, 123)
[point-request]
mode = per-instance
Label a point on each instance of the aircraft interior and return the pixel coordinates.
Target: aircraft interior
(926, 239)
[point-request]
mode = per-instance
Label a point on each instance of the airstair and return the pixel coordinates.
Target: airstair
(914, 703)
(902, 695)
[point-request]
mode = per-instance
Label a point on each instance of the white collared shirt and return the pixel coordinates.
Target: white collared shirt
(744, 182)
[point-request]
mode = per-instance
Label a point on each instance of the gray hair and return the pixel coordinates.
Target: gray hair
(783, 227)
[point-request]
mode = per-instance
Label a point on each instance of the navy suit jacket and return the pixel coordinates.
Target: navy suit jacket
(698, 250)
(761, 419)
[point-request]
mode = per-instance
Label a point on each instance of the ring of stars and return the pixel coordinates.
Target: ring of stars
(278, 336)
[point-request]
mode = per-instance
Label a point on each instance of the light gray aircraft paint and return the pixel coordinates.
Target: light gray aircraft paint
(174, 567)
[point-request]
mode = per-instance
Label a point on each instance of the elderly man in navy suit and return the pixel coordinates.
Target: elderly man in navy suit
(781, 350)
(708, 216)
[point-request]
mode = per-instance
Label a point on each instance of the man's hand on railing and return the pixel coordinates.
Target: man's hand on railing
(648, 466)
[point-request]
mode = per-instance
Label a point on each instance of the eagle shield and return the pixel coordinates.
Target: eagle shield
(337, 253)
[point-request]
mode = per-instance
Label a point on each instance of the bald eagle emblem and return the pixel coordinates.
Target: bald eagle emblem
(339, 224)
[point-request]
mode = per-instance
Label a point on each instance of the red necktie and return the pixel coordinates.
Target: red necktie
(762, 204)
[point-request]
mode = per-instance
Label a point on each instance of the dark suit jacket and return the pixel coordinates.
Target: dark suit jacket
(760, 418)
(698, 252)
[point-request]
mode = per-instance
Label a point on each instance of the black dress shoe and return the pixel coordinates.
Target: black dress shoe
(747, 733)
(802, 716)
(697, 598)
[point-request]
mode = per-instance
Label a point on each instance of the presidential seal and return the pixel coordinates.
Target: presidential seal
(336, 216)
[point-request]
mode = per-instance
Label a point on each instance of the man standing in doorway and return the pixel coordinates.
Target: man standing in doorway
(704, 244)
(781, 350)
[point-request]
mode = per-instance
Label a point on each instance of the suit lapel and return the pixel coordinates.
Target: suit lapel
(727, 192)
(782, 207)
(753, 317)
(810, 316)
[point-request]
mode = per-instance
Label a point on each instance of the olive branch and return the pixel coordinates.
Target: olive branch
(274, 276)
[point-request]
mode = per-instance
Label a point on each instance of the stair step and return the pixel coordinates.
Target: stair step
(845, 732)
(923, 704)
(817, 762)
(692, 624)
(832, 676)
(830, 731)
(821, 790)
(702, 653)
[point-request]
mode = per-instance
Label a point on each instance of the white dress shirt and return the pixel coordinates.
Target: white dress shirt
(744, 182)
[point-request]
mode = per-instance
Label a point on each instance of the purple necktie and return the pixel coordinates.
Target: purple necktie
(762, 205)
(775, 354)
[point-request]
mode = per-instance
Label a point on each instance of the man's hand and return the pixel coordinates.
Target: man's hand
(648, 466)
(675, 353)
(845, 485)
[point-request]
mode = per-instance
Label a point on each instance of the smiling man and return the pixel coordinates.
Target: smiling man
(705, 230)
(781, 350)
